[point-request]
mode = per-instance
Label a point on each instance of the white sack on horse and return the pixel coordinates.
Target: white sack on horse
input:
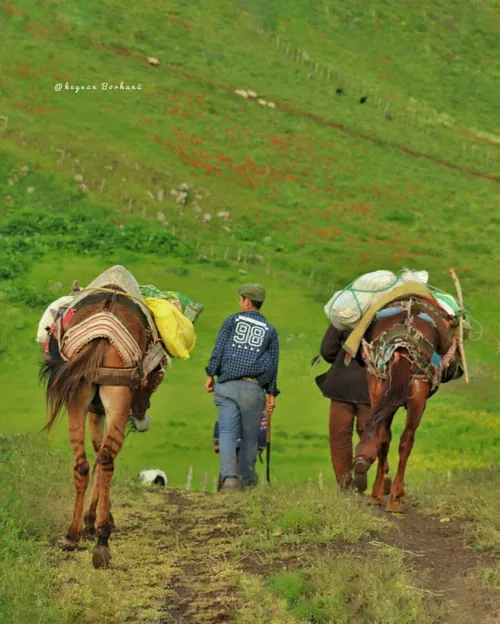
(347, 306)
(49, 316)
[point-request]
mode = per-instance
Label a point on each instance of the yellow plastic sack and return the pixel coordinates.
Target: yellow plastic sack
(176, 330)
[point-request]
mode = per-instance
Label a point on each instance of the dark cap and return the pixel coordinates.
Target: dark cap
(254, 292)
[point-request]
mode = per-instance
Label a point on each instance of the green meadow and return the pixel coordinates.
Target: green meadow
(309, 205)
(379, 151)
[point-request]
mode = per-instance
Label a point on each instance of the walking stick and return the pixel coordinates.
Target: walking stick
(461, 347)
(268, 448)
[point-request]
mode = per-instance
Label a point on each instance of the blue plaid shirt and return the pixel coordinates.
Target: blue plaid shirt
(247, 346)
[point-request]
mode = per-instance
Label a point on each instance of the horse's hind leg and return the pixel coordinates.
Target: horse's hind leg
(117, 401)
(77, 413)
(380, 485)
(96, 425)
(419, 391)
(370, 443)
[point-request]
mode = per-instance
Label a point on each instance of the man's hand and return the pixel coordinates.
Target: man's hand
(270, 404)
(209, 384)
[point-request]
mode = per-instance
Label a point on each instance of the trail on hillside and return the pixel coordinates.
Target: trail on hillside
(441, 555)
(292, 109)
(437, 550)
(176, 559)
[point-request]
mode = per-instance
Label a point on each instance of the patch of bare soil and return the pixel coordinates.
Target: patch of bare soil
(202, 589)
(447, 565)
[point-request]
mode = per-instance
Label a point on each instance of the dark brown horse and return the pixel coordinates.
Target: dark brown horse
(408, 350)
(108, 378)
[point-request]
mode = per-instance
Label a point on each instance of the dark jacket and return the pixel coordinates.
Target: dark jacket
(341, 383)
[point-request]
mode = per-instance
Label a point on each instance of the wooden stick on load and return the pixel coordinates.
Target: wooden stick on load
(461, 347)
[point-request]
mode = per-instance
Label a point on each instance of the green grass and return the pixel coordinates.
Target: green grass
(281, 554)
(471, 494)
(352, 588)
(290, 183)
(319, 190)
(30, 471)
(287, 515)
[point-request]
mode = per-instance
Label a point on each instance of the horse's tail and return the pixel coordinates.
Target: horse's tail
(398, 388)
(64, 379)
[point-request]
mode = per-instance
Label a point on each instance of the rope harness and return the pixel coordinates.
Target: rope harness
(137, 369)
(425, 361)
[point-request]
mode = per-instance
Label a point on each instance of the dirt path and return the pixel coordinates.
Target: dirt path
(208, 561)
(177, 558)
(447, 566)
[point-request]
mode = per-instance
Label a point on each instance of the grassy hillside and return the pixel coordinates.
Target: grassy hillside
(303, 196)
(321, 179)
(317, 191)
(301, 553)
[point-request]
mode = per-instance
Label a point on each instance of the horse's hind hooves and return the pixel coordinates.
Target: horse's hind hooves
(376, 501)
(395, 507)
(360, 478)
(71, 546)
(88, 534)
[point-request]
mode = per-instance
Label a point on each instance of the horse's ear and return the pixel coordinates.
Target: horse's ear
(75, 288)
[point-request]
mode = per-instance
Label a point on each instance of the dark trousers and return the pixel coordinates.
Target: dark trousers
(342, 416)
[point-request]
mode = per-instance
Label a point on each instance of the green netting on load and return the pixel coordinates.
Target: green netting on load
(350, 288)
(191, 309)
(446, 300)
(443, 297)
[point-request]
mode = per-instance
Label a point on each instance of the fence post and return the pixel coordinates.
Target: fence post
(309, 281)
(204, 482)
(189, 478)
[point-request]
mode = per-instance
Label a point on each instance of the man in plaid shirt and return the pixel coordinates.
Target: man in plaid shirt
(245, 362)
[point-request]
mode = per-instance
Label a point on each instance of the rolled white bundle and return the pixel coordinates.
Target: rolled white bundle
(153, 477)
(49, 316)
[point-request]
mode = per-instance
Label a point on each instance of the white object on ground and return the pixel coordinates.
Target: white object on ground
(153, 477)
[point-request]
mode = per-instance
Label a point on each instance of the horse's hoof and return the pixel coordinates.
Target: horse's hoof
(69, 545)
(71, 541)
(395, 507)
(387, 485)
(360, 477)
(375, 500)
(88, 533)
(100, 556)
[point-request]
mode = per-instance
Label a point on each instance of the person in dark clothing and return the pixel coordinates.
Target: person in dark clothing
(347, 389)
(245, 362)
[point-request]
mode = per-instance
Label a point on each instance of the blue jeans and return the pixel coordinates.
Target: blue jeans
(240, 405)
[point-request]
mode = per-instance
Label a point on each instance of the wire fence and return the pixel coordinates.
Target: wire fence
(470, 147)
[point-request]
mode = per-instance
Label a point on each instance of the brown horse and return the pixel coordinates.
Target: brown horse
(109, 378)
(408, 350)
